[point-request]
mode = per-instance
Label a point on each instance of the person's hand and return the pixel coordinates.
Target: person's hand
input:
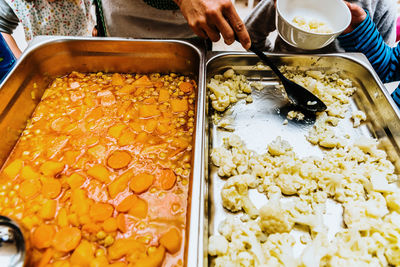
(210, 18)
(358, 15)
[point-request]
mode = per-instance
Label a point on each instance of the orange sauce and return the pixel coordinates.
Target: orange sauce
(100, 175)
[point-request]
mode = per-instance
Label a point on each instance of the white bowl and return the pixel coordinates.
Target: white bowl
(334, 13)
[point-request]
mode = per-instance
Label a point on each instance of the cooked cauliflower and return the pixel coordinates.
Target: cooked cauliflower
(217, 245)
(235, 194)
(274, 219)
(358, 116)
(224, 89)
(279, 147)
(358, 176)
(312, 25)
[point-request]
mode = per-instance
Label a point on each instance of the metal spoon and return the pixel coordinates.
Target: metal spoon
(297, 94)
(12, 244)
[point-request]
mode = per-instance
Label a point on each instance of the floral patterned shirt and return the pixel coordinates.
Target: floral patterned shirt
(61, 17)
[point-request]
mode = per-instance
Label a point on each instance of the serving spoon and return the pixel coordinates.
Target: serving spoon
(298, 95)
(12, 244)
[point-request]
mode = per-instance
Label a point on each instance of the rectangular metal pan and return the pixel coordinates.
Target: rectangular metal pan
(259, 123)
(51, 57)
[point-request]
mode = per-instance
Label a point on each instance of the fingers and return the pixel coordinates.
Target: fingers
(238, 27)
(216, 18)
(212, 18)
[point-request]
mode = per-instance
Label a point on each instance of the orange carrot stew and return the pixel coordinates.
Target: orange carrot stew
(100, 175)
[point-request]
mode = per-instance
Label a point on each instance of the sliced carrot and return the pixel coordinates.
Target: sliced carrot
(154, 259)
(127, 138)
(151, 125)
(100, 173)
(143, 81)
(136, 126)
(118, 264)
(51, 187)
(140, 90)
(48, 210)
(29, 188)
(121, 223)
(180, 143)
(116, 130)
(119, 184)
(186, 87)
(80, 203)
(75, 180)
(43, 235)
(28, 173)
(119, 159)
(171, 240)
(51, 168)
(62, 218)
(179, 105)
(147, 111)
(110, 225)
(127, 203)
(101, 211)
(141, 182)
(83, 254)
(67, 239)
(142, 137)
(91, 227)
(70, 157)
(117, 79)
(95, 114)
(163, 128)
(46, 257)
(60, 123)
(139, 209)
(127, 89)
(124, 246)
(163, 96)
(150, 100)
(167, 179)
(100, 261)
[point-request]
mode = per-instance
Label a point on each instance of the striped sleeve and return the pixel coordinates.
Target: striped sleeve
(384, 59)
(367, 40)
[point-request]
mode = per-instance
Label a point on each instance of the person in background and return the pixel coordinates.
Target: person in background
(207, 19)
(362, 36)
(261, 22)
(45, 17)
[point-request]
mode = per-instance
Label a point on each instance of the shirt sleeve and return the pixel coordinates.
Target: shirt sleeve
(367, 40)
(260, 23)
(8, 20)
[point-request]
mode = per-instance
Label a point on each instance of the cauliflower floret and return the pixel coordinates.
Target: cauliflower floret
(357, 117)
(223, 158)
(362, 215)
(315, 251)
(217, 245)
(244, 246)
(234, 194)
(393, 201)
(274, 218)
(280, 246)
(295, 115)
(279, 147)
(227, 88)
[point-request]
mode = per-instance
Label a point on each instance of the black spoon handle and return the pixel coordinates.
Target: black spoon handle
(266, 60)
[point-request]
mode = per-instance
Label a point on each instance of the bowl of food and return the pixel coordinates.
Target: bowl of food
(311, 24)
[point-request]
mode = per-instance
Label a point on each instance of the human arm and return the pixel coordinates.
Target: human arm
(8, 23)
(260, 23)
(362, 36)
(210, 18)
(12, 44)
